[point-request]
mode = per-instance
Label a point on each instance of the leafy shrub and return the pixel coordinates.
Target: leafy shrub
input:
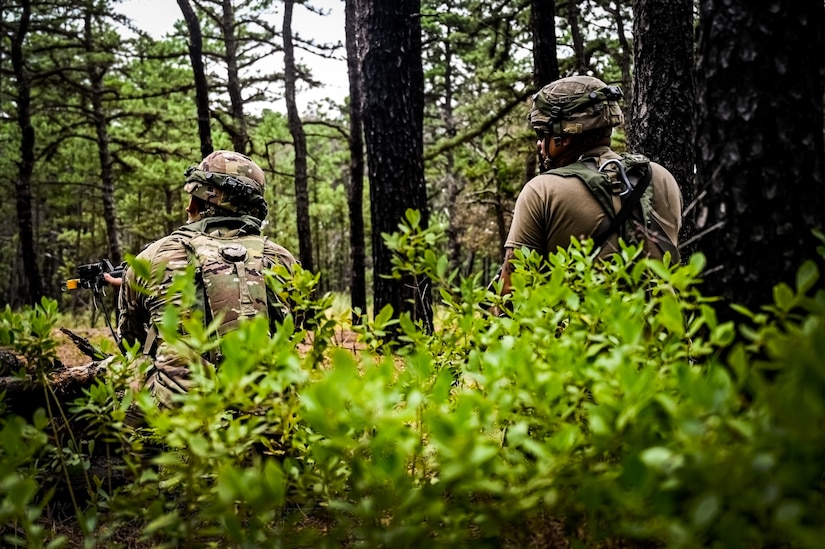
(606, 403)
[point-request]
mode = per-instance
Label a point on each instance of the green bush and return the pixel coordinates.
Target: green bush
(607, 403)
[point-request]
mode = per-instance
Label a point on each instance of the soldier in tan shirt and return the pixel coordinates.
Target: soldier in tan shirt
(580, 194)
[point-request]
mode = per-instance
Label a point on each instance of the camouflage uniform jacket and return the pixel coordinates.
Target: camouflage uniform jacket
(139, 310)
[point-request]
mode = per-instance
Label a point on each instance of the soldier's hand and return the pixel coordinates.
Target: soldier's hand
(112, 281)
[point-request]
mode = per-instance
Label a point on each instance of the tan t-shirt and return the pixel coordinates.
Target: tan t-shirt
(551, 209)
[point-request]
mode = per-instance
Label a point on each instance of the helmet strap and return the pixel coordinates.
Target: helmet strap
(193, 209)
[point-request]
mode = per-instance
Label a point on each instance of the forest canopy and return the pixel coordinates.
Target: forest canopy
(98, 125)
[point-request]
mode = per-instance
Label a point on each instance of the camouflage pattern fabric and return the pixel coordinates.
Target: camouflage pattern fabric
(232, 273)
(141, 302)
(228, 180)
(575, 105)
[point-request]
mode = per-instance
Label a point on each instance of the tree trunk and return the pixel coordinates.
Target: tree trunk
(96, 74)
(545, 63)
(299, 141)
(662, 107)
(573, 16)
(355, 196)
(240, 138)
(23, 191)
(201, 86)
(759, 142)
(393, 80)
(624, 56)
(545, 58)
(451, 182)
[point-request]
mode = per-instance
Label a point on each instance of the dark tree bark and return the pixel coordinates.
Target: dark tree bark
(624, 55)
(355, 196)
(393, 80)
(25, 221)
(545, 58)
(573, 17)
(299, 140)
(759, 142)
(238, 131)
(662, 105)
(96, 72)
(201, 86)
(545, 70)
(450, 181)
(24, 395)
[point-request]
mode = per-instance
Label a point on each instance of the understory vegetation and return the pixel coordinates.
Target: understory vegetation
(606, 405)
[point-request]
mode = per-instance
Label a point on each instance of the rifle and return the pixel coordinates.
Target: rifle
(85, 345)
(90, 277)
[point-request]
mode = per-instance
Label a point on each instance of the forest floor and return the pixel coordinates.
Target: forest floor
(69, 355)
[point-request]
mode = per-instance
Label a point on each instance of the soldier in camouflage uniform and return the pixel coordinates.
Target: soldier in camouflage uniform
(580, 191)
(222, 240)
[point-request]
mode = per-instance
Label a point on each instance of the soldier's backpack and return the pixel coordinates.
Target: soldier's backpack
(622, 188)
(230, 272)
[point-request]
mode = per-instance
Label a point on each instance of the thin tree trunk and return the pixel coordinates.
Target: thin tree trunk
(545, 58)
(573, 14)
(96, 73)
(625, 54)
(451, 181)
(355, 196)
(545, 61)
(23, 191)
(201, 86)
(240, 137)
(299, 141)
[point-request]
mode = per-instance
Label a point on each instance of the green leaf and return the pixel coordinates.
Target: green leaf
(656, 457)
(705, 510)
(671, 315)
(806, 277)
(783, 297)
(198, 445)
(164, 522)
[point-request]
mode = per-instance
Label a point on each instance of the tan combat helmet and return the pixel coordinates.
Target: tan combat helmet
(574, 105)
(229, 180)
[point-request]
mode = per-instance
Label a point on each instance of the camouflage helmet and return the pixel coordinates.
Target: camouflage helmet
(229, 180)
(574, 105)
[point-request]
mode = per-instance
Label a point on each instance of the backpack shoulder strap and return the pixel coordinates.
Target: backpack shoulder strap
(599, 183)
(629, 204)
(626, 194)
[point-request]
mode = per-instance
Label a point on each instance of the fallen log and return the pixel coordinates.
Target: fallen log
(25, 391)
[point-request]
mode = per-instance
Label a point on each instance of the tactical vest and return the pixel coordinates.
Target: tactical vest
(230, 272)
(610, 191)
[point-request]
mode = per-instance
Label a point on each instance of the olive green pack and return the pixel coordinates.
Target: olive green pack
(604, 184)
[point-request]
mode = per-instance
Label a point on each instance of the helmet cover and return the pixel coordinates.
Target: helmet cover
(574, 105)
(229, 180)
